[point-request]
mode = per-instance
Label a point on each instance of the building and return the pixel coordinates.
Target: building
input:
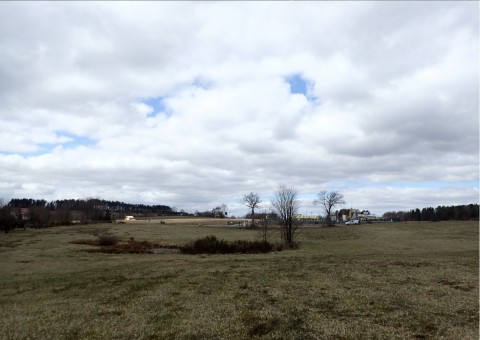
(307, 218)
(362, 215)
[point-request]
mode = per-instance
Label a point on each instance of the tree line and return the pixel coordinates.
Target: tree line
(41, 213)
(441, 213)
(100, 204)
(217, 212)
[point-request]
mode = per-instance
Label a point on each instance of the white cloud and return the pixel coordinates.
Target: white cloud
(395, 88)
(384, 199)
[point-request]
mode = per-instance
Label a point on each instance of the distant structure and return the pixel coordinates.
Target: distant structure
(366, 215)
(362, 215)
(307, 218)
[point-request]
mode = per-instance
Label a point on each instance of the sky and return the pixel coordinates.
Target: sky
(194, 104)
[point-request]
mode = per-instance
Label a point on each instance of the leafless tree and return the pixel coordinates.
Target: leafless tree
(40, 216)
(265, 225)
(286, 204)
(63, 214)
(252, 200)
(327, 200)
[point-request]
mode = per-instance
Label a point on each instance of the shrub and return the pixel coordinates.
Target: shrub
(286, 246)
(130, 247)
(207, 245)
(7, 221)
(211, 245)
(107, 240)
(252, 247)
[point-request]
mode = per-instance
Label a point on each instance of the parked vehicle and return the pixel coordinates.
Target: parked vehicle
(354, 222)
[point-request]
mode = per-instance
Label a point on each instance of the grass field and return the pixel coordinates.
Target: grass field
(379, 281)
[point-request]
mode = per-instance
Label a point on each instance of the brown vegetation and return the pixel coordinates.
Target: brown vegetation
(125, 247)
(211, 245)
(206, 245)
(377, 281)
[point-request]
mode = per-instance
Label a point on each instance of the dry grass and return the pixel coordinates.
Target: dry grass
(127, 247)
(415, 280)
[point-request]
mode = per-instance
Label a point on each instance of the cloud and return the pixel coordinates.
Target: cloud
(196, 104)
(398, 199)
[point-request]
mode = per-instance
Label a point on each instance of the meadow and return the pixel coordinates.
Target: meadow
(416, 280)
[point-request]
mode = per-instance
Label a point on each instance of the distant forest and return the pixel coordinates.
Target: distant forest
(440, 213)
(92, 203)
(41, 213)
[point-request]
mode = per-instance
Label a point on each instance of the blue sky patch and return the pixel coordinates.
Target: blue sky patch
(42, 149)
(45, 148)
(75, 140)
(298, 84)
(158, 105)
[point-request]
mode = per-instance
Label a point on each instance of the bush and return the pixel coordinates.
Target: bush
(107, 240)
(207, 245)
(252, 247)
(7, 221)
(287, 246)
(211, 245)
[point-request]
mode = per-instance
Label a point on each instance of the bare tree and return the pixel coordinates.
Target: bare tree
(252, 200)
(265, 225)
(327, 200)
(63, 214)
(286, 205)
(40, 216)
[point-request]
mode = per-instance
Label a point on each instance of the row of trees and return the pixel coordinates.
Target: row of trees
(440, 213)
(285, 205)
(92, 203)
(40, 213)
(218, 212)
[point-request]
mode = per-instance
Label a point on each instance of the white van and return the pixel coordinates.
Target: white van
(353, 222)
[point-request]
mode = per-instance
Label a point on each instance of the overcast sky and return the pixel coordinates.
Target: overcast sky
(195, 104)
